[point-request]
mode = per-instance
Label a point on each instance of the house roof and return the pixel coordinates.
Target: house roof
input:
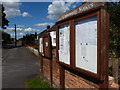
(53, 28)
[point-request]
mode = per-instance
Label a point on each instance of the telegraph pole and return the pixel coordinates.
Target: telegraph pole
(15, 36)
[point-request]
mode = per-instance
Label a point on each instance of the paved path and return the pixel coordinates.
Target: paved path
(6, 49)
(19, 65)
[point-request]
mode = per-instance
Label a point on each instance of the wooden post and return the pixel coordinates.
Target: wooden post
(72, 43)
(105, 48)
(41, 65)
(15, 37)
(62, 77)
(51, 78)
(51, 73)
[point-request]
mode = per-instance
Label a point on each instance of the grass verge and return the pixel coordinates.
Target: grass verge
(36, 83)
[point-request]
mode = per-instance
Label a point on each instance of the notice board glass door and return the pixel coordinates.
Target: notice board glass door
(64, 43)
(86, 44)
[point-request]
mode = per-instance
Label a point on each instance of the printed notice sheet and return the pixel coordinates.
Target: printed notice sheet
(40, 44)
(64, 45)
(86, 44)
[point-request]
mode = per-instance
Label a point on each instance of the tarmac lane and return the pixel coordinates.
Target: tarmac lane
(19, 64)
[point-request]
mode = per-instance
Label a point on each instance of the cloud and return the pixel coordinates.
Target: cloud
(9, 29)
(12, 29)
(12, 34)
(72, 1)
(10, 0)
(20, 34)
(43, 24)
(19, 29)
(26, 14)
(58, 7)
(30, 30)
(20, 26)
(12, 9)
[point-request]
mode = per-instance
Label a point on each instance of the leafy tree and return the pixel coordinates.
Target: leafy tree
(4, 20)
(29, 38)
(113, 9)
(6, 38)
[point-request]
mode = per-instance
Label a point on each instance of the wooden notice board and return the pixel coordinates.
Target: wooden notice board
(45, 46)
(82, 41)
(45, 49)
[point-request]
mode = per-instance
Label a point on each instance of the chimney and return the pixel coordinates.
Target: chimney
(48, 27)
(84, 1)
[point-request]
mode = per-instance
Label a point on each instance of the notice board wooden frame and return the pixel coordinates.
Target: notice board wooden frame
(49, 56)
(101, 77)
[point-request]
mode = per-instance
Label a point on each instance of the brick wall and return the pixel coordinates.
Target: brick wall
(74, 81)
(46, 68)
(55, 70)
(56, 73)
(71, 80)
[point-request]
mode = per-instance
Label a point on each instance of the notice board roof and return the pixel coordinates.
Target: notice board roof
(81, 9)
(53, 28)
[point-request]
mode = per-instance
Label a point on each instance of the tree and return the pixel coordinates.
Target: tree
(4, 20)
(113, 9)
(29, 38)
(6, 38)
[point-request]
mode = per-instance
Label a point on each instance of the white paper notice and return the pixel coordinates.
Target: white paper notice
(40, 44)
(86, 44)
(46, 44)
(64, 45)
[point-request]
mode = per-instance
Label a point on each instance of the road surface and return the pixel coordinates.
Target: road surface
(18, 66)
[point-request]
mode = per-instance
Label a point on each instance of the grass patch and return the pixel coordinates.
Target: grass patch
(36, 83)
